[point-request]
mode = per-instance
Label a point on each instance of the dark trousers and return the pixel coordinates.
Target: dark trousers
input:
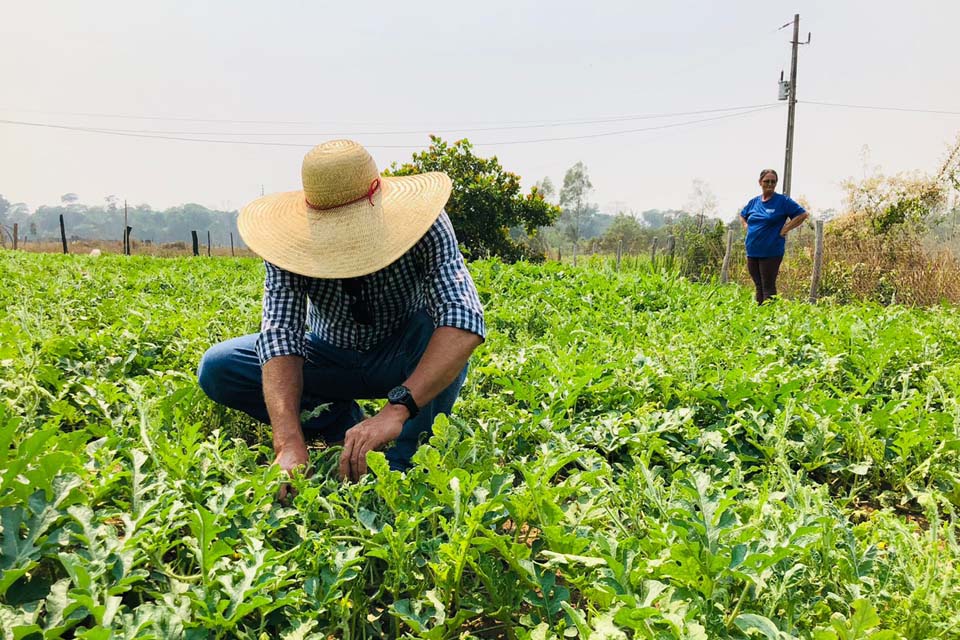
(230, 374)
(764, 273)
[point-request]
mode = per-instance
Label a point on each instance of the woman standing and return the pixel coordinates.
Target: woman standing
(768, 219)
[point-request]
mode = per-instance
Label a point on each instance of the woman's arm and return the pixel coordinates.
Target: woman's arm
(793, 224)
(745, 216)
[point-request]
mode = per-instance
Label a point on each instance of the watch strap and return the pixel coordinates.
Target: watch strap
(401, 395)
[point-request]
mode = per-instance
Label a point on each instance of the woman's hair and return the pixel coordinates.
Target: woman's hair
(766, 171)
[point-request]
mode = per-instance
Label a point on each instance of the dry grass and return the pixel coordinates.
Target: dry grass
(859, 265)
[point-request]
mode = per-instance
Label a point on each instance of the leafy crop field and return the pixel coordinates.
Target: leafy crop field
(634, 456)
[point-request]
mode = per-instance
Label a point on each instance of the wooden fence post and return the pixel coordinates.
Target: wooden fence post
(671, 246)
(63, 234)
(16, 234)
(653, 251)
(559, 254)
(231, 244)
(619, 252)
(208, 243)
(817, 262)
(725, 270)
(196, 243)
(126, 231)
(574, 254)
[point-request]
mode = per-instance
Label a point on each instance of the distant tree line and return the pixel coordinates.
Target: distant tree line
(491, 213)
(105, 222)
(581, 221)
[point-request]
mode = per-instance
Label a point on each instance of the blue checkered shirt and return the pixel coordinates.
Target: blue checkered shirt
(431, 276)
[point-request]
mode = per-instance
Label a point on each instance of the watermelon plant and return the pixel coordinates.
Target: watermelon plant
(634, 456)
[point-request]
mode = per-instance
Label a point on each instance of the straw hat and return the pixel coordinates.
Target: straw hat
(348, 221)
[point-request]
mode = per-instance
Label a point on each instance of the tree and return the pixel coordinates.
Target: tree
(573, 201)
(627, 230)
(546, 189)
(69, 198)
(907, 203)
(486, 201)
(653, 218)
(702, 203)
(701, 248)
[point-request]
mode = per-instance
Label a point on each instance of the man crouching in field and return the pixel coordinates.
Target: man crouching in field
(366, 296)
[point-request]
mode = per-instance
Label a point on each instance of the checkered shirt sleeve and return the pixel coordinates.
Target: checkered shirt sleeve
(452, 299)
(284, 315)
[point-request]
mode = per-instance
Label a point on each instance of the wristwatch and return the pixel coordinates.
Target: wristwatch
(401, 395)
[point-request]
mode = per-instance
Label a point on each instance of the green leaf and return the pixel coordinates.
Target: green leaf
(636, 618)
(301, 631)
(751, 623)
(569, 558)
(207, 547)
(860, 468)
(605, 629)
(411, 614)
(578, 619)
(24, 539)
(368, 519)
(864, 618)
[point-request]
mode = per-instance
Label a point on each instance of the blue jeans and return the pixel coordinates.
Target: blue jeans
(230, 374)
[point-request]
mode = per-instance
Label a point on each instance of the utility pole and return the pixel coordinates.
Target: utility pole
(792, 104)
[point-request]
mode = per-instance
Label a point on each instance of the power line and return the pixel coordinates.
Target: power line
(521, 124)
(627, 131)
(180, 138)
(314, 134)
(532, 123)
(143, 135)
(878, 108)
(124, 116)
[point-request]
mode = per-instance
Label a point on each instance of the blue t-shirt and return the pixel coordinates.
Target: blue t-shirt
(764, 222)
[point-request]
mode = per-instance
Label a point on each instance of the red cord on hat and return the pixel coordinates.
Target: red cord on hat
(374, 187)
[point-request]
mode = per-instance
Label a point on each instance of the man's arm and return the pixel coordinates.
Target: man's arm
(282, 389)
(281, 352)
(446, 355)
(454, 305)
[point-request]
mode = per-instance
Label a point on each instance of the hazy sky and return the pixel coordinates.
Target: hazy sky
(299, 73)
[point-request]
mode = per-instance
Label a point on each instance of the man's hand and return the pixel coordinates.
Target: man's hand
(292, 458)
(370, 435)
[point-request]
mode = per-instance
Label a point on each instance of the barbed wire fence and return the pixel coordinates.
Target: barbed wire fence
(816, 265)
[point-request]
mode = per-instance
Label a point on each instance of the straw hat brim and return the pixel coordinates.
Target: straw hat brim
(348, 241)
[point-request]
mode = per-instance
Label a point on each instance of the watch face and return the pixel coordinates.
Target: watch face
(397, 393)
